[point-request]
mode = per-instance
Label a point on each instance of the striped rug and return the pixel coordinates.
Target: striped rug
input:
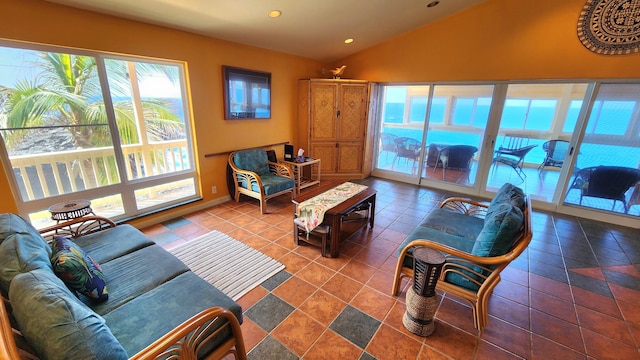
(231, 266)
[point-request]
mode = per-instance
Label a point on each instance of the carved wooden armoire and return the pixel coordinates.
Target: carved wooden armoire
(335, 126)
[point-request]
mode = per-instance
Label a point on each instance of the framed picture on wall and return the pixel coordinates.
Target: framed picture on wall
(247, 93)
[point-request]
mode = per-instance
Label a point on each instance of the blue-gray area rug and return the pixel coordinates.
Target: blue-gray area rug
(231, 266)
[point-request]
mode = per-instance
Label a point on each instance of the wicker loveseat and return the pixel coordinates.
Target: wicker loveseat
(478, 240)
(155, 304)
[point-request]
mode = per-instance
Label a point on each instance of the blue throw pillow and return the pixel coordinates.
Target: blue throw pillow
(56, 324)
(77, 269)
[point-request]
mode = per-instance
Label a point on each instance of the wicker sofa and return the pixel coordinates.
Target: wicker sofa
(155, 304)
(478, 241)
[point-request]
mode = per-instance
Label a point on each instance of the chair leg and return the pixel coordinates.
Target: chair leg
(263, 206)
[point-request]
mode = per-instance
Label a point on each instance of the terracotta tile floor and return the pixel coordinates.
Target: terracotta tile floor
(572, 295)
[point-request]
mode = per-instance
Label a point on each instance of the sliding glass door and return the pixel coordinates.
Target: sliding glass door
(574, 147)
(606, 177)
(458, 118)
(533, 140)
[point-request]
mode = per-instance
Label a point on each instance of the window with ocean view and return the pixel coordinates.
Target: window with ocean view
(57, 127)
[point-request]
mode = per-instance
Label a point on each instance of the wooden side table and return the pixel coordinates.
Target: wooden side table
(304, 173)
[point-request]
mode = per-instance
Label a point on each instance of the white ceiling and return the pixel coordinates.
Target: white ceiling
(313, 29)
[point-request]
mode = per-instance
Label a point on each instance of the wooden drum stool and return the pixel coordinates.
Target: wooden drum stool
(422, 301)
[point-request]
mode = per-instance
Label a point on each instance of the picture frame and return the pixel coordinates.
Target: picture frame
(247, 93)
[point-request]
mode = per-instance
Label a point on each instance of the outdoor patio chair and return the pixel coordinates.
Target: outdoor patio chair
(408, 149)
(512, 152)
(255, 176)
(555, 150)
(457, 157)
(606, 182)
(388, 143)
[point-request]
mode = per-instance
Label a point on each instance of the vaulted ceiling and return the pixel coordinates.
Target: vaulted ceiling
(315, 29)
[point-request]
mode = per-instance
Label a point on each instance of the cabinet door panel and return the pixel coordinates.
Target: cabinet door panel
(349, 157)
(351, 124)
(326, 152)
(324, 102)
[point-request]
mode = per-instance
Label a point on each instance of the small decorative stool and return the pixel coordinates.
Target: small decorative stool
(70, 210)
(422, 301)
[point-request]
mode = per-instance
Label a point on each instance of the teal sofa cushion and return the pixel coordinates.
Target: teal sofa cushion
(22, 252)
(112, 243)
(77, 269)
(252, 160)
(134, 274)
(56, 324)
(151, 315)
(455, 223)
(498, 235)
(12, 223)
(274, 184)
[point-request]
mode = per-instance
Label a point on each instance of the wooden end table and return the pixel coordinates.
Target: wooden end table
(304, 174)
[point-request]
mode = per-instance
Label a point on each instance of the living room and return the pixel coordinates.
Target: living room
(497, 40)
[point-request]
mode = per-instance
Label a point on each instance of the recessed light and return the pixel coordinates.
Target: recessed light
(348, 41)
(275, 13)
(433, 3)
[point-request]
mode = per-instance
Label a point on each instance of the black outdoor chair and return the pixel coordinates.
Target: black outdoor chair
(457, 157)
(512, 152)
(408, 149)
(606, 182)
(555, 150)
(388, 143)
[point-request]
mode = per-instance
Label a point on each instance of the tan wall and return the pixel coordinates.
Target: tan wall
(495, 40)
(42, 22)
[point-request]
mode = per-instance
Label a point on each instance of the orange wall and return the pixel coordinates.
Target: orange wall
(43, 22)
(495, 40)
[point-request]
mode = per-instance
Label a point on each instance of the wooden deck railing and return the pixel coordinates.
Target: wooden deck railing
(69, 171)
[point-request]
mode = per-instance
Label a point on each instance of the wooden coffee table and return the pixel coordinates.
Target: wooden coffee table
(333, 217)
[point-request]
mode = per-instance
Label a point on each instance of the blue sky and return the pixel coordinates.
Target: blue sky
(14, 65)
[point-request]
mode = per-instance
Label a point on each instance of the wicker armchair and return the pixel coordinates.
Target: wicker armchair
(483, 272)
(255, 176)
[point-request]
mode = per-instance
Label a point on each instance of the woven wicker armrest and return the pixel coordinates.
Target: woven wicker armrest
(75, 228)
(247, 179)
(8, 347)
(465, 206)
(185, 340)
(280, 169)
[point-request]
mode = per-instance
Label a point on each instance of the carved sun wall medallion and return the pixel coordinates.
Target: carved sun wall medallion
(610, 27)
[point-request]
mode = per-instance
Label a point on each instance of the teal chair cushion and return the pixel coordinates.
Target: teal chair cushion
(510, 194)
(455, 223)
(56, 324)
(274, 184)
(252, 160)
(501, 226)
(12, 223)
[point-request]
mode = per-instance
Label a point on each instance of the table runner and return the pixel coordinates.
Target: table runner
(310, 213)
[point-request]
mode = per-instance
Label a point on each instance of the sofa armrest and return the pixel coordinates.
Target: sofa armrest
(75, 228)
(280, 169)
(184, 340)
(465, 206)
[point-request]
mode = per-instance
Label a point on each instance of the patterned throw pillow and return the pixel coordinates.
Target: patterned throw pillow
(77, 269)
